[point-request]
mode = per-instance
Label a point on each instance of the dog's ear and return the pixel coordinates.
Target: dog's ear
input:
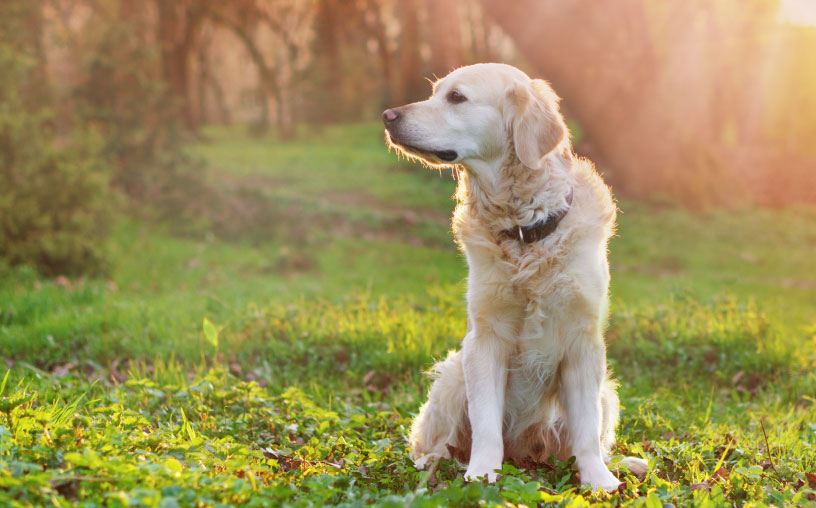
(537, 126)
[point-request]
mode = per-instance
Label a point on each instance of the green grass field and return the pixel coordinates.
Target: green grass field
(334, 287)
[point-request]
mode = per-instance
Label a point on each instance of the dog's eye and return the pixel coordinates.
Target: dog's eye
(454, 97)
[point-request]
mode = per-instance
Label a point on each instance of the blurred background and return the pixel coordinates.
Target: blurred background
(196, 194)
(257, 121)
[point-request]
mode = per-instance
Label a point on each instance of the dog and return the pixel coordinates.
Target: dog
(533, 221)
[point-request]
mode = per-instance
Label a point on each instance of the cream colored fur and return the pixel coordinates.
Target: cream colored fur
(530, 379)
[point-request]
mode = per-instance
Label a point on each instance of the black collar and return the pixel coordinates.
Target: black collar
(541, 229)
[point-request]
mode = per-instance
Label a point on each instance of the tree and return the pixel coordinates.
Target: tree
(285, 27)
(673, 95)
(179, 26)
(411, 59)
(446, 39)
(54, 208)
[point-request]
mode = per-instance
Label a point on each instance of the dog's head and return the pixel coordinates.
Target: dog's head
(477, 113)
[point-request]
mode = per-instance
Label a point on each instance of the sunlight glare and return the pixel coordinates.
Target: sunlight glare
(798, 12)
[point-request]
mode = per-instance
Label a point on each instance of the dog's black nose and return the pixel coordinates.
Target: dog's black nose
(391, 115)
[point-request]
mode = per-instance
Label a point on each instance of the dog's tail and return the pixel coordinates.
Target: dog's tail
(442, 424)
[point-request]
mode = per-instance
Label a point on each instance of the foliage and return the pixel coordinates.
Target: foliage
(170, 435)
(714, 107)
(71, 148)
(55, 207)
(122, 97)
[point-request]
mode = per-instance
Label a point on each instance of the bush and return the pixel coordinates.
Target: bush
(55, 208)
(71, 149)
(122, 95)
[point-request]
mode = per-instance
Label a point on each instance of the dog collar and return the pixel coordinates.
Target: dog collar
(541, 229)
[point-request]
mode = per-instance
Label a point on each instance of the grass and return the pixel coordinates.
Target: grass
(112, 395)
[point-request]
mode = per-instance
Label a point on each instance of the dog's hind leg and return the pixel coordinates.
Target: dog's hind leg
(610, 414)
(442, 420)
(610, 410)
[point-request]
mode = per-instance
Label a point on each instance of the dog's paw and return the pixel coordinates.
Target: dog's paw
(636, 466)
(600, 478)
(422, 462)
(476, 471)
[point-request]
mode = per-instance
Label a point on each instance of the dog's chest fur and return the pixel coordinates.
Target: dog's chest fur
(516, 196)
(548, 278)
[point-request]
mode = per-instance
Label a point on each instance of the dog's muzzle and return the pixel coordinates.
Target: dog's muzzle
(391, 119)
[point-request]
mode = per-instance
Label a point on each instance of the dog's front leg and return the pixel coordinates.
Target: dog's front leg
(582, 372)
(484, 361)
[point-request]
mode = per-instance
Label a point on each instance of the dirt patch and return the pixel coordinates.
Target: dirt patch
(252, 207)
(407, 214)
(793, 283)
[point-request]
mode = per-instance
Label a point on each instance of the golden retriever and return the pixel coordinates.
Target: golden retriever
(533, 221)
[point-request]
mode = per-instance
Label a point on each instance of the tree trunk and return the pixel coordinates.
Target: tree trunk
(329, 45)
(653, 84)
(376, 28)
(268, 82)
(178, 28)
(414, 88)
(446, 39)
(202, 80)
(594, 65)
(285, 114)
